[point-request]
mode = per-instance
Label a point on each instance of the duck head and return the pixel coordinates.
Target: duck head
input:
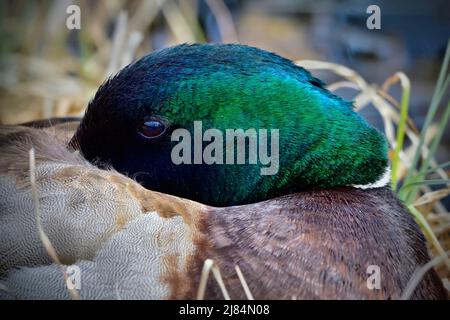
(155, 108)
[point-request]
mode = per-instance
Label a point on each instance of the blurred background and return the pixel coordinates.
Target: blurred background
(48, 70)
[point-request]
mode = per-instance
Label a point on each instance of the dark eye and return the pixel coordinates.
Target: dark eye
(152, 128)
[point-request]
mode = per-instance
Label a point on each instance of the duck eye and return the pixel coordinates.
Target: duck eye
(152, 128)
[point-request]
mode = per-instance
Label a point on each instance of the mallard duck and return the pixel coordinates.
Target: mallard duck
(308, 231)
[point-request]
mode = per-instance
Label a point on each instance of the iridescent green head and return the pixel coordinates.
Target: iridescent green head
(133, 119)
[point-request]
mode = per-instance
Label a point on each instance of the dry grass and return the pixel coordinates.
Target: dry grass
(208, 266)
(41, 77)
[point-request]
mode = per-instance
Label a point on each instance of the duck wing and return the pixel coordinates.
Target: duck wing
(98, 220)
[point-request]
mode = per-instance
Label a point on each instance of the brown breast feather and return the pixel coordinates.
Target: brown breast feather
(317, 245)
